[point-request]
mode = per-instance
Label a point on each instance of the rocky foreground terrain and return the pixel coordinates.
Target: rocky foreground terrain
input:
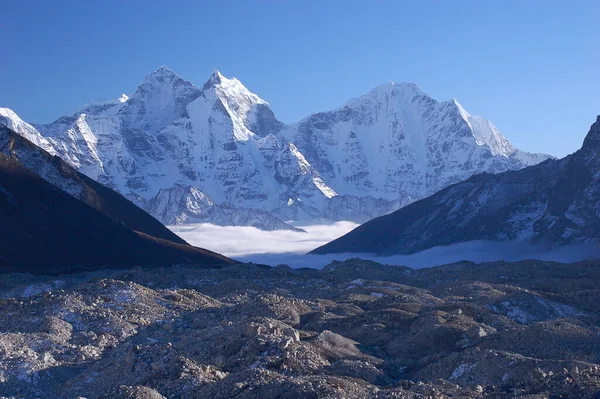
(355, 329)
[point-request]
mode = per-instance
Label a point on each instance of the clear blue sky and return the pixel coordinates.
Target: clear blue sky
(532, 67)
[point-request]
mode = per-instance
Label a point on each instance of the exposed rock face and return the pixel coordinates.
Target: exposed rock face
(355, 329)
(553, 203)
(180, 205)
(378, 152)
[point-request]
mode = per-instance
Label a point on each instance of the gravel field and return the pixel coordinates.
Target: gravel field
(356, 328)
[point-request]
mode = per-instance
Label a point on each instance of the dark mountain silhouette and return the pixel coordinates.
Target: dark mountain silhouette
(46, 230)
(103, 199)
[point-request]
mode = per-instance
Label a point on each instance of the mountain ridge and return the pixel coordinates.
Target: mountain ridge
(394, 144)
(54, 220)
(56, 172)
(553, 203)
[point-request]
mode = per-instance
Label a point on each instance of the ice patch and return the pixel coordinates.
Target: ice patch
(519, 315)
(461, 370)
(559, 309)
(355, 283)
(124, 296)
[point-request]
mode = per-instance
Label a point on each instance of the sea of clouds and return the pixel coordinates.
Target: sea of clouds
(238, 242)
(249, 244)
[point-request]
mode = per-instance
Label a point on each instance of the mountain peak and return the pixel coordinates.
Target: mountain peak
(592, 140)
(217, 75)
(159, 99)
(407, 88)
(163, 69)
(404, 90)
(162, 74)
(408, 85)
(10, 115)
(216, 78)
(454, 102)
(12, 121)
(163, 79)
(232, 90)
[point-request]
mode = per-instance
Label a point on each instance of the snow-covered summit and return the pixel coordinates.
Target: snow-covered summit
(160, 99)
(391, 146)
(244, 107)
(215, 78)
(396, 141)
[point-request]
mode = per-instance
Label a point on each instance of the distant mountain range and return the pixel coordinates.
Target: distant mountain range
(218, 154)
(554, 203)
(54, 219)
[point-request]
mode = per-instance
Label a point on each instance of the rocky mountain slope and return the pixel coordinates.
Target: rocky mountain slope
(377, 153)
(181, 205)
(55, 220)
(553, 203)
(356, 329)
(55, 171)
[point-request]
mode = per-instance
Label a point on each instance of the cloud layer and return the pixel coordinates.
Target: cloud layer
(245, 241)
(249, 244)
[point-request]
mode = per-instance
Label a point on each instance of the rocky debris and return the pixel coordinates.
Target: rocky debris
(353, 329)
(476, 332)
(7, 301)
(137, 392)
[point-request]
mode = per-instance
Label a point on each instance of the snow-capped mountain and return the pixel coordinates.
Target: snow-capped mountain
(377, 153)
(397, 142)
(553, 203)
